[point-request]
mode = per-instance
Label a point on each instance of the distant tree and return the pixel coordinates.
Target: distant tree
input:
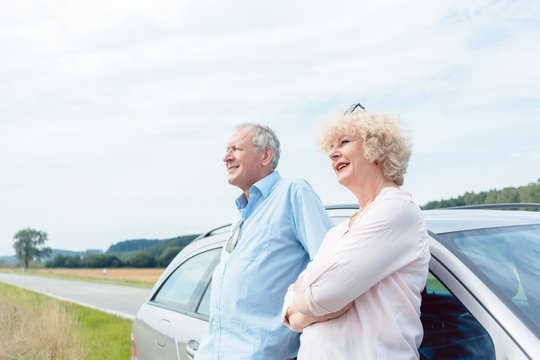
(73, 261)
(168, 255)
(531, 193)
(29, 244)
(523, 194)
(111, 260)
(142, 259)
(58, 260)
(93, 260)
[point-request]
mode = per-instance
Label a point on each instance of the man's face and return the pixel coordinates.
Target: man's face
(244, 164)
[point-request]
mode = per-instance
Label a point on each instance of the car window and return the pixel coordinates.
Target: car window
(204, 306)
(338, 219)
(450, 331)
(506, 260)
(186, 284)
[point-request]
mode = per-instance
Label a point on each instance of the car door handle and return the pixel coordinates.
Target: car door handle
(191, 347)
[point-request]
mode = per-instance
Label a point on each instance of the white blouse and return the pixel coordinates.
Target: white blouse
(378, 259)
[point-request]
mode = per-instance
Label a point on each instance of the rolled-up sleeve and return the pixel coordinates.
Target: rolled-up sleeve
(383, 240)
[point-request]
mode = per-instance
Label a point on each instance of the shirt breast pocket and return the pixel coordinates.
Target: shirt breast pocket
(255, 241)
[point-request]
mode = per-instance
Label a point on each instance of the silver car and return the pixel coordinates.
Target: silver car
(482, 296)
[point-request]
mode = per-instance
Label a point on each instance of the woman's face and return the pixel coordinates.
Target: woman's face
(348, 161)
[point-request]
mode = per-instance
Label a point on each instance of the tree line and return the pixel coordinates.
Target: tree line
(140, 259)
(30, 246)
(523, 194)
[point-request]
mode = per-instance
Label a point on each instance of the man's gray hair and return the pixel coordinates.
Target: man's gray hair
(263, 137)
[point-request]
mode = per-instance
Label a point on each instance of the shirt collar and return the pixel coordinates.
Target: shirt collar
(263, 186)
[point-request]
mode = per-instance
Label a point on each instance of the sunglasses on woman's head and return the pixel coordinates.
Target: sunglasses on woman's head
(353, 107)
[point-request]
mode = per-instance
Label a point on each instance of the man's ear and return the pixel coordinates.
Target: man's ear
(268, 155)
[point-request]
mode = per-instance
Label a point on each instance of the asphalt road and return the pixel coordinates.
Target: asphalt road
(123, 301)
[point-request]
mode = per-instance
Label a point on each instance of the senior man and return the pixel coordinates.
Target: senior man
(278, 227)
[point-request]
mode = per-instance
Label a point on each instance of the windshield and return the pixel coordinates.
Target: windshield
(507, 259)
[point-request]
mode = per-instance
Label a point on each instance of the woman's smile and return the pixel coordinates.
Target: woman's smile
(341, 165)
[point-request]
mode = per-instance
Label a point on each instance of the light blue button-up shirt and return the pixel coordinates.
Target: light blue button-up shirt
(284, 225)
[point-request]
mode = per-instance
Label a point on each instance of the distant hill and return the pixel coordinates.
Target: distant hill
(181, 241)
(131, 245)
(523, 194)
(8, 259)
(123, 249)
(126, 249)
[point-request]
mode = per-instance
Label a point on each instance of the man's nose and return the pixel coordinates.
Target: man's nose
(228, 156)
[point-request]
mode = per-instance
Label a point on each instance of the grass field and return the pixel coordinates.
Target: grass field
(119, 276)
(37, 327)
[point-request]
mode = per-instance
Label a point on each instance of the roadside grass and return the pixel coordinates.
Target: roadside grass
(38, 327)
(82, 277)
(102, 335)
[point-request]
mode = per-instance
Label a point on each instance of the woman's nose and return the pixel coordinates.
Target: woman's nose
(333, 154)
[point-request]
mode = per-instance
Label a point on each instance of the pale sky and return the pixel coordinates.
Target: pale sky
(114, 114)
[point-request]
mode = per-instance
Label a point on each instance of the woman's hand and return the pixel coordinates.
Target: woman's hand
(298, 321)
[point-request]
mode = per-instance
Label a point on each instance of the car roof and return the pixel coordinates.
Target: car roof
(449, 220)
(470, 217)
(446, 220)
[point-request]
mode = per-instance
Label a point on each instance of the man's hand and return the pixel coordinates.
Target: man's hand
(298, 321)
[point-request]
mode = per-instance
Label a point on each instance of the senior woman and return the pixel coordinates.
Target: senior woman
(360, 296)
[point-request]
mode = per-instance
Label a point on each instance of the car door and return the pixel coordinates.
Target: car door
(480, 314)
(451, 332)
(176, 316)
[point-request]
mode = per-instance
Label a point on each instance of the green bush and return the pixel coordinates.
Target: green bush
(58, 260)
(74, 262)
(142, 259)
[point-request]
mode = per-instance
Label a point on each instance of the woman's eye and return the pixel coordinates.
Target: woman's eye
(344, 141)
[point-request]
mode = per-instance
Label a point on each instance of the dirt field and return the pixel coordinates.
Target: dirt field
(147, 275)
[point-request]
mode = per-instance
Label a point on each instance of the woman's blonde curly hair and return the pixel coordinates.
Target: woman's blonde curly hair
(382, 138)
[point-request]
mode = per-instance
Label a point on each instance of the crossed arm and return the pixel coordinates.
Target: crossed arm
(300, 316)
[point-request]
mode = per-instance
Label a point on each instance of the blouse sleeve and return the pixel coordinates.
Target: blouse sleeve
(384, 240)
